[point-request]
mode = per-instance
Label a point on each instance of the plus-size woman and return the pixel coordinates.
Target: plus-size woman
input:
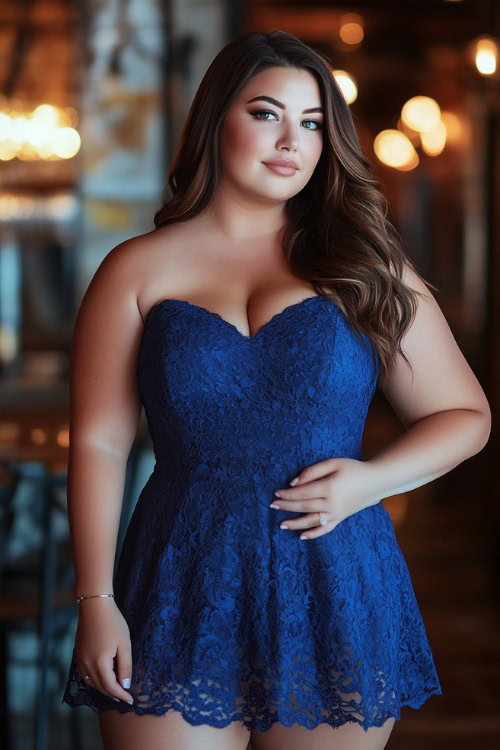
(254, 324)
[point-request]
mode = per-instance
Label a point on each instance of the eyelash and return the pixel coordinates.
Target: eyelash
(268, 112)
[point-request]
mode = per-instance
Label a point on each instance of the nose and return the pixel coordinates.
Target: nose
(290, 139)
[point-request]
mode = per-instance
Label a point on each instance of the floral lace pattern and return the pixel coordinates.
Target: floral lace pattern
(231, 618)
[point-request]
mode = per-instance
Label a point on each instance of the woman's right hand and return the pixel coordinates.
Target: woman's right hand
(102, 634)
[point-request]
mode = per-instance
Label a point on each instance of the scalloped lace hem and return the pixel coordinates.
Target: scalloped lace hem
(414, 702)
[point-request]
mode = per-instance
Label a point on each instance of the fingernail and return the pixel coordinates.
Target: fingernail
(294, 481)
(274, 506)
(130, 701)
(303, 537)
(277, 493)
(116, 699)
(283, 526)
(126, 682)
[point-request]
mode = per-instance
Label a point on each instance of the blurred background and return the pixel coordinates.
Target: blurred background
(93, 95)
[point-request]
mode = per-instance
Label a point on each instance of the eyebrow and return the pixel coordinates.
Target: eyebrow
(281, 105)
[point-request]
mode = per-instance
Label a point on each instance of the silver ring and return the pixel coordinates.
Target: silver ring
(322, 520)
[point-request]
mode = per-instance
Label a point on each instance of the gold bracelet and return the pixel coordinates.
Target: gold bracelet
(79, 599)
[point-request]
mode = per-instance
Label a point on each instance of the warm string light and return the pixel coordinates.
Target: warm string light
(422, 124)
(485, 55)
(47, 133)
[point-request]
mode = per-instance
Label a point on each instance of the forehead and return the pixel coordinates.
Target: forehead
(290, 85)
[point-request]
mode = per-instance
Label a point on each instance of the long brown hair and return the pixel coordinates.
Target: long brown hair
(337, 235)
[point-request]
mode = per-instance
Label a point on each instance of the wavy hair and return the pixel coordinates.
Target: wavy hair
(336, 234)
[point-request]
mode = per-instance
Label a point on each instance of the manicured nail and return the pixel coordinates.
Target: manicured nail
(303, 536)
(283, 526)
(274, 506)
(126, 682)
(130, 701)
(294, 481)
(277, 493)
(116, 699)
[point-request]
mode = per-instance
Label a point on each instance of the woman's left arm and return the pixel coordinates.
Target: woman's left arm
(442, 406)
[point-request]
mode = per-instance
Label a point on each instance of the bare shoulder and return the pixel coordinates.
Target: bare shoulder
(109, 326)
(132, 258)
(442, 379)
(165, 262)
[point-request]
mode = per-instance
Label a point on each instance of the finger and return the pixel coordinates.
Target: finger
(308, 521)
(83, 671)
(317, 488)
(94, 680)
(317, 531)
(82, 674)
(124, 664)
(316, 471)
(108, 681)
(298, 506)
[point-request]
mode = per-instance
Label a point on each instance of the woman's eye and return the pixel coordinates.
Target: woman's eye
(316, 122)
(267, 112)
(261, 112)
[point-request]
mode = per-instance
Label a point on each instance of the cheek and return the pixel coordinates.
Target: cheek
(314, 152)
(244, 142)
(316, 147)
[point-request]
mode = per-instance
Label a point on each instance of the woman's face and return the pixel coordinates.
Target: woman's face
(261, 131)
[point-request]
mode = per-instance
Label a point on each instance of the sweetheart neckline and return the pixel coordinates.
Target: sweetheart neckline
(215, 315)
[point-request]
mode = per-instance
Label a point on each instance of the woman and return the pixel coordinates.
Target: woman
(254, 324)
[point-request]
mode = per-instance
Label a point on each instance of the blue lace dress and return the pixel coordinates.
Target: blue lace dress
(232, 618)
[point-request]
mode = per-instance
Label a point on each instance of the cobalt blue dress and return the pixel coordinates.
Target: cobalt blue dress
(232, 618)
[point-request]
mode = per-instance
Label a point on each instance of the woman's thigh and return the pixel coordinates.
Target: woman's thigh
(130, 731)
(349, 736)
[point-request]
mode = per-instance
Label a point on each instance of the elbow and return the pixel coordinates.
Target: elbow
(483, 429)
(118, 452)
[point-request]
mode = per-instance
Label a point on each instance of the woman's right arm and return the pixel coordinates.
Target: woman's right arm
(105, 407)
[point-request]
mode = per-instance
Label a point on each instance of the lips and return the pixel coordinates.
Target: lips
(282, 163)
(282, 167)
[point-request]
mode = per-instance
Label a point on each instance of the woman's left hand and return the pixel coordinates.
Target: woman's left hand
(336, 487)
